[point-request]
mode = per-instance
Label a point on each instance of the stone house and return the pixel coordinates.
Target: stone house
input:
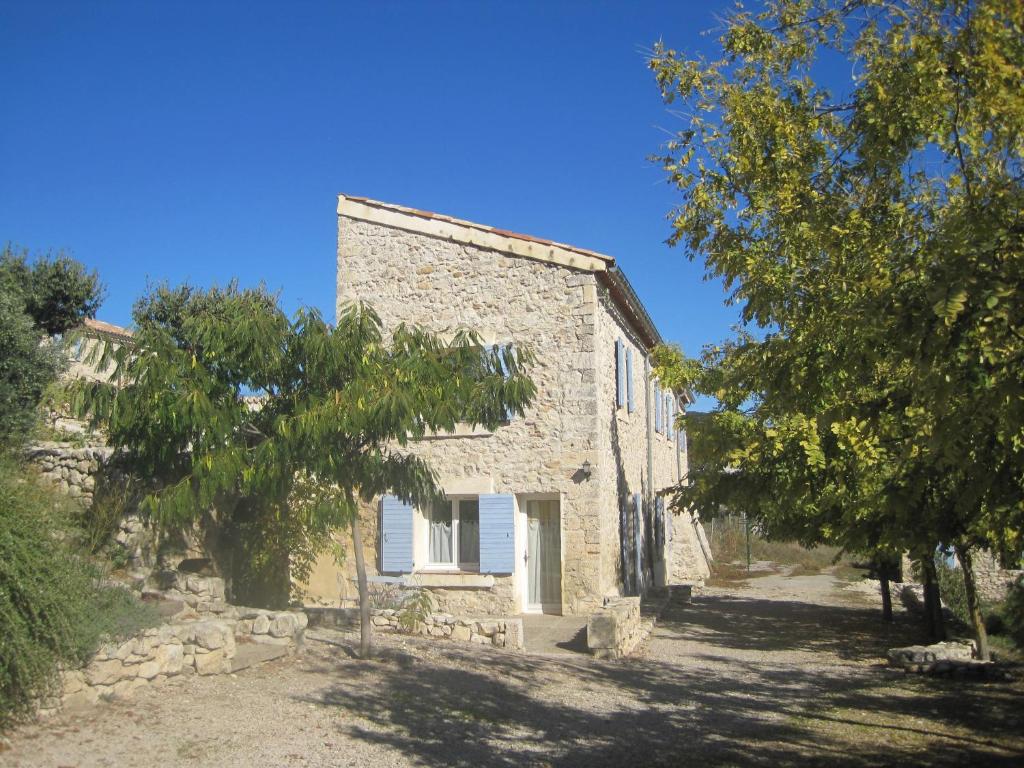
(554, 511)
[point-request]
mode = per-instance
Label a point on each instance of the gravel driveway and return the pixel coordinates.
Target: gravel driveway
(770, 671)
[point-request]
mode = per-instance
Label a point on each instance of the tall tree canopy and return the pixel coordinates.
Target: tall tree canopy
(228, 404)
(48, 296)
(873, 236)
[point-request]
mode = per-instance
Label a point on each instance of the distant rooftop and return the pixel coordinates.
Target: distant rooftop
(107, 329)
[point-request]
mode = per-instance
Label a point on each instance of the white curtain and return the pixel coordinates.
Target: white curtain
(469, 532)
(441, 534)
(544, 563)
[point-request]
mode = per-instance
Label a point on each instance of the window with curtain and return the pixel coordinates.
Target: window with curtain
(454, 538)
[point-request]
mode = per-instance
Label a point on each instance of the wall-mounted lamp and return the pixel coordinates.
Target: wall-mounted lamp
(585, 470)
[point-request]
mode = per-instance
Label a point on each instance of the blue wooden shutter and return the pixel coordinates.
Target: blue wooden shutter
(631, 404)
(657, 408)
(670, 415)
(620, 373)
(395, 535)
(497, 533)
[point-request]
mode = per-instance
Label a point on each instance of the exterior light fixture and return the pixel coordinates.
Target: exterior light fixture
(585, 470)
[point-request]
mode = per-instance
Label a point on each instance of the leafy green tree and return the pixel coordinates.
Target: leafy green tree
(57, 292)
(49, 296)
(873, 239)
(333, 408)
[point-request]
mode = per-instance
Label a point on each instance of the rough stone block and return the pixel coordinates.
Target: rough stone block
(169, 659)
(283, 625)
(107, 672)
(212, 663)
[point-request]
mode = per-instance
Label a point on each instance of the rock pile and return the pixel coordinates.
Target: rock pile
(952, 659)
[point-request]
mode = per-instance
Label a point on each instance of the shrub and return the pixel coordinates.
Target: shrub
(53, 608)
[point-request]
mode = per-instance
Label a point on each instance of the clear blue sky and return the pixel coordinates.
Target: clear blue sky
(203, 142)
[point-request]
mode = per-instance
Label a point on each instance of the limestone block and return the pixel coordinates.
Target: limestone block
(213, 634)
(283, 625)
(499, 639)
(148, 670)
(461, 632)
(243, 627)
(261, 625)
(514, 633)
(212, 663)
(80, 699)
(602, 631)
(169, 659)
(481, 639)
(108, 672)
(73, 681)
(301, 619)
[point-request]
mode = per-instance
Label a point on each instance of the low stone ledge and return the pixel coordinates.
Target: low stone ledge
(615, 630)
(506, 633)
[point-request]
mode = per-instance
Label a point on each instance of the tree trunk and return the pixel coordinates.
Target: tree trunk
(932, 599)
(364, 592)
(886, 597)
(973, 606)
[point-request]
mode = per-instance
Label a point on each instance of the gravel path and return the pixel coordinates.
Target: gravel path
(770, 671)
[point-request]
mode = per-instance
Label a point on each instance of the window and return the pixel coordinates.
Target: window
(454, 539)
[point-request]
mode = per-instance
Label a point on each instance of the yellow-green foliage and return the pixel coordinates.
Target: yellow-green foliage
(53, 609)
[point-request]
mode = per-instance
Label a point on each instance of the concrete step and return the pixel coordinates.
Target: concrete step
(250, 654)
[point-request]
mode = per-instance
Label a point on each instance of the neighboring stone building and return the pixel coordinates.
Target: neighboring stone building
(556, 510)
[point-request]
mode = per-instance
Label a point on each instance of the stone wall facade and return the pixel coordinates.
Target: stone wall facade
(556, 306)
(992, 579)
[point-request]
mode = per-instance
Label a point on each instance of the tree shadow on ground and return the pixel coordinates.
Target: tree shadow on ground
(456, 706)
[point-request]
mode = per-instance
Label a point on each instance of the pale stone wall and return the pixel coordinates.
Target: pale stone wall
(993, 580)
(623, 440)
(570, 324)
(413, 277)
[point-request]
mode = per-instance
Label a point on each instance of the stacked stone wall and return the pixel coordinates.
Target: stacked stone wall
(992, 579)
(504, 632)
(73, 470)
(196, 641)
(412, 277)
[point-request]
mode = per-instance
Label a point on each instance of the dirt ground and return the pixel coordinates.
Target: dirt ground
(761, 672)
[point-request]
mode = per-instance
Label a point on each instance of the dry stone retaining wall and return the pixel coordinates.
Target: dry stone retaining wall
(504, 633)
(192, 643)
(72, 470)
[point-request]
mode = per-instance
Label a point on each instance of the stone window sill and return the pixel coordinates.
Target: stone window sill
(458, 579)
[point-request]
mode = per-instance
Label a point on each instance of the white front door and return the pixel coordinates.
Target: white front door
(543, 557)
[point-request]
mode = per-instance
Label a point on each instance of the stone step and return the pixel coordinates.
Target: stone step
(250, 654)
